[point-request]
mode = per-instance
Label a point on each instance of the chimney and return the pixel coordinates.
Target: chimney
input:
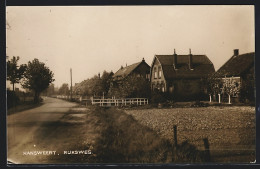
(143, 60)
(190, 60)
(236, 52)
(175, 60)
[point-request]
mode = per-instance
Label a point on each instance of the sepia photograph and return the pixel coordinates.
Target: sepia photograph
(140, 84)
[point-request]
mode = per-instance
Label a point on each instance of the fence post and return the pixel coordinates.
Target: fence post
(207, 152)
(175, 135)
(218, 98)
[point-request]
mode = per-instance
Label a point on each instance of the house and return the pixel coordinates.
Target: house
(139, 69)
(128, 81)
(239, 72)
(180, 76)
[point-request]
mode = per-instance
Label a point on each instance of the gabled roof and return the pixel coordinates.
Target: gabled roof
(123, 72)
(201, 66)
(237, 65)
(183, 59)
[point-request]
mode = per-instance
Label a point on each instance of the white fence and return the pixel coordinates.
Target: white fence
(101, 101)
(119, 102)
(62, 97)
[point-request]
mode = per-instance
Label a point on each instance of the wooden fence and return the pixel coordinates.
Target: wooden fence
(119, 102)
(107, 102)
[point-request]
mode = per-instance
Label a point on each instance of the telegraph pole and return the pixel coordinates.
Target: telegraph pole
(70, 84)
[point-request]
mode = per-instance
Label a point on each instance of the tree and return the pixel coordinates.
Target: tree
(213, 84)
(14, 72)
(132, 86)
(37, 78)
(102, 84)
(230, 87)
(247, 90)
(64, 89)
(106, 79)
(50, 90)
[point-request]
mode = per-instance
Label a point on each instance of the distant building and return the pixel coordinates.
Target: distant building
(240, 70)
(139, 69)
(180, 76)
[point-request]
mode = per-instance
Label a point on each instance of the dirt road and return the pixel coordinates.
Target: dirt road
(49, 134)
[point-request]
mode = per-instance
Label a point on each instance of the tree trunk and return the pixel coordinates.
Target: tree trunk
(13, 87)
(229, 99)
(36, 97)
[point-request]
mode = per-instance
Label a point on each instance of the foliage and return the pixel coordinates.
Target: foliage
(64, 89)
(106, 80)
(50, 90)
(213, 84)
(14, 72)
(95, 85)
(157, 97)
(132, 86)
(247, 91)
(12, 99)
(230, 86)
(37, 78)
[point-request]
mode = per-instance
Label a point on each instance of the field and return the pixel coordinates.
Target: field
(230, 130)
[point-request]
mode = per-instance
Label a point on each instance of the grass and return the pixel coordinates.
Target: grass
(124, 140)
(112, 136)
(22, 107)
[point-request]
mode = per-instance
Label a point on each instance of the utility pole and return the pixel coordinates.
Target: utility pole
(70, 84)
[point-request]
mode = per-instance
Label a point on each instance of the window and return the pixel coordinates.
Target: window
(155, 73)
(147, 76)
(163, 90)
(159, 72)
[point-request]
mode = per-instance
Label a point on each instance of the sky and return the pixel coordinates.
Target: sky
(91, 39)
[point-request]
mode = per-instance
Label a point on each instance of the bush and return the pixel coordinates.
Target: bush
(12, 99)
(158, 97)
(199, 104)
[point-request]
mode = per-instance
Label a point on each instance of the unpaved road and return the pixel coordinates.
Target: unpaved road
(44, 134)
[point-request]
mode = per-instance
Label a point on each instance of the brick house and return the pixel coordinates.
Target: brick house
(136, 70)
(239, 70)
(139, 69)
(180, 76)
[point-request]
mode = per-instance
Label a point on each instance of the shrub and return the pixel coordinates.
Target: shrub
(158, 97)
(12, 99)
